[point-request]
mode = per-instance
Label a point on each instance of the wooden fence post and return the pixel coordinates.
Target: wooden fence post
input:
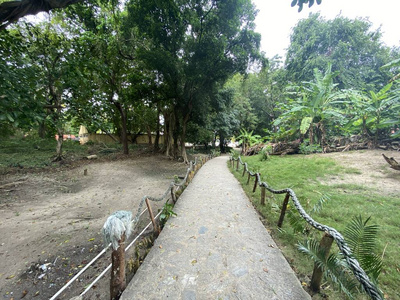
(244, 170)
(153, 221)
(283, 211)
(118, 279)
(248, 179)
(325, 244)
(173, 197)
(262, 195)
(255, 183)
(237, 165)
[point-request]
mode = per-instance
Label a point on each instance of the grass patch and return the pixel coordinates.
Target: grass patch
(35, 153)
(305, 174)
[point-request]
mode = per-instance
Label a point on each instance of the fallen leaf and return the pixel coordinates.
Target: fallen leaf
(272, 246)
(265, 270)
(10, 277)
(36, 294)
(160, 246)
(303, 283)
(91, 240)
(194, 261)
(24, 293)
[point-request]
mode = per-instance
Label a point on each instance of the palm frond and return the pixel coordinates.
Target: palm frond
(296, 221)
(361, 239)
(333, 267)
(320, 203)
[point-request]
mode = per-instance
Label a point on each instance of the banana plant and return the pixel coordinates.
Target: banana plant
(314, 105)
(247, 139)
(375, 112)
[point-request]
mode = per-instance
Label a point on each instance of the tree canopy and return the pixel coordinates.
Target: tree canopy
(353, 49)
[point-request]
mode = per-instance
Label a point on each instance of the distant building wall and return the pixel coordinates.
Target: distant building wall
(102, 138)
(106, 139)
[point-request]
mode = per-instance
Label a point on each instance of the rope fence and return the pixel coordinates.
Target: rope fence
(120, 224)
(370, 288)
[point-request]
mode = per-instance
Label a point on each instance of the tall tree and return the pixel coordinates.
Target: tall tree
(194, 46)
(20, 106)
(350, 46)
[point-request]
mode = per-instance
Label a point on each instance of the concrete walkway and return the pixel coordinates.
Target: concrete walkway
(216, 248)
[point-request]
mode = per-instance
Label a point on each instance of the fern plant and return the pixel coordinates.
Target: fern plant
(361, 238)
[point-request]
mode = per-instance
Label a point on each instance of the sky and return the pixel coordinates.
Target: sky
(276, 18)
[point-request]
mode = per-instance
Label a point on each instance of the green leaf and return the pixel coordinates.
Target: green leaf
(9, 117)
(305, 124)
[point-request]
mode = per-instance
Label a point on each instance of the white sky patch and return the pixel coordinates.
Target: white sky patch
(276, 18)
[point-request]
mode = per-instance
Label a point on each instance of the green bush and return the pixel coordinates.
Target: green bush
(306, 148)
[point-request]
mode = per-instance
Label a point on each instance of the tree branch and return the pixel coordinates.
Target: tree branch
(12, 11)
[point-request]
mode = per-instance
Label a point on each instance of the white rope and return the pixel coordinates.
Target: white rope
(80, 272)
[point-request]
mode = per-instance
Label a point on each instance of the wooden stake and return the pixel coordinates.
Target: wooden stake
(262, 195)
(118, 279)
(255, 184)
(325, 244)
(173, 197)
(248, 179)
(237, 165)
(283, 211)
(244, 171)
(153, 221)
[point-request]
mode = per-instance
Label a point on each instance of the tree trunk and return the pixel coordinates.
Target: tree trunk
(42, 129)
(221, 143)
(124, 135)
(183, 148)
(60, 140)
(169, 134)
(157, 139)
(175, 135)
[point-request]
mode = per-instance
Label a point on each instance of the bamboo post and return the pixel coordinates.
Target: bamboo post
(283, 211)
(262, 195)
(248, 179)
(153, 221)
(118, 279)
(325, 245)
(255, 183)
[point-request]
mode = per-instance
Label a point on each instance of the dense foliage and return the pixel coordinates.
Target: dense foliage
(191, 71)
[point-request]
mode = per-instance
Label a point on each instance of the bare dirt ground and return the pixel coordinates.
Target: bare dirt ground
(371, 169)
(50, 223)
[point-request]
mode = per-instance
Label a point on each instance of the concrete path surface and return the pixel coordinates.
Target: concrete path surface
(216, 248)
